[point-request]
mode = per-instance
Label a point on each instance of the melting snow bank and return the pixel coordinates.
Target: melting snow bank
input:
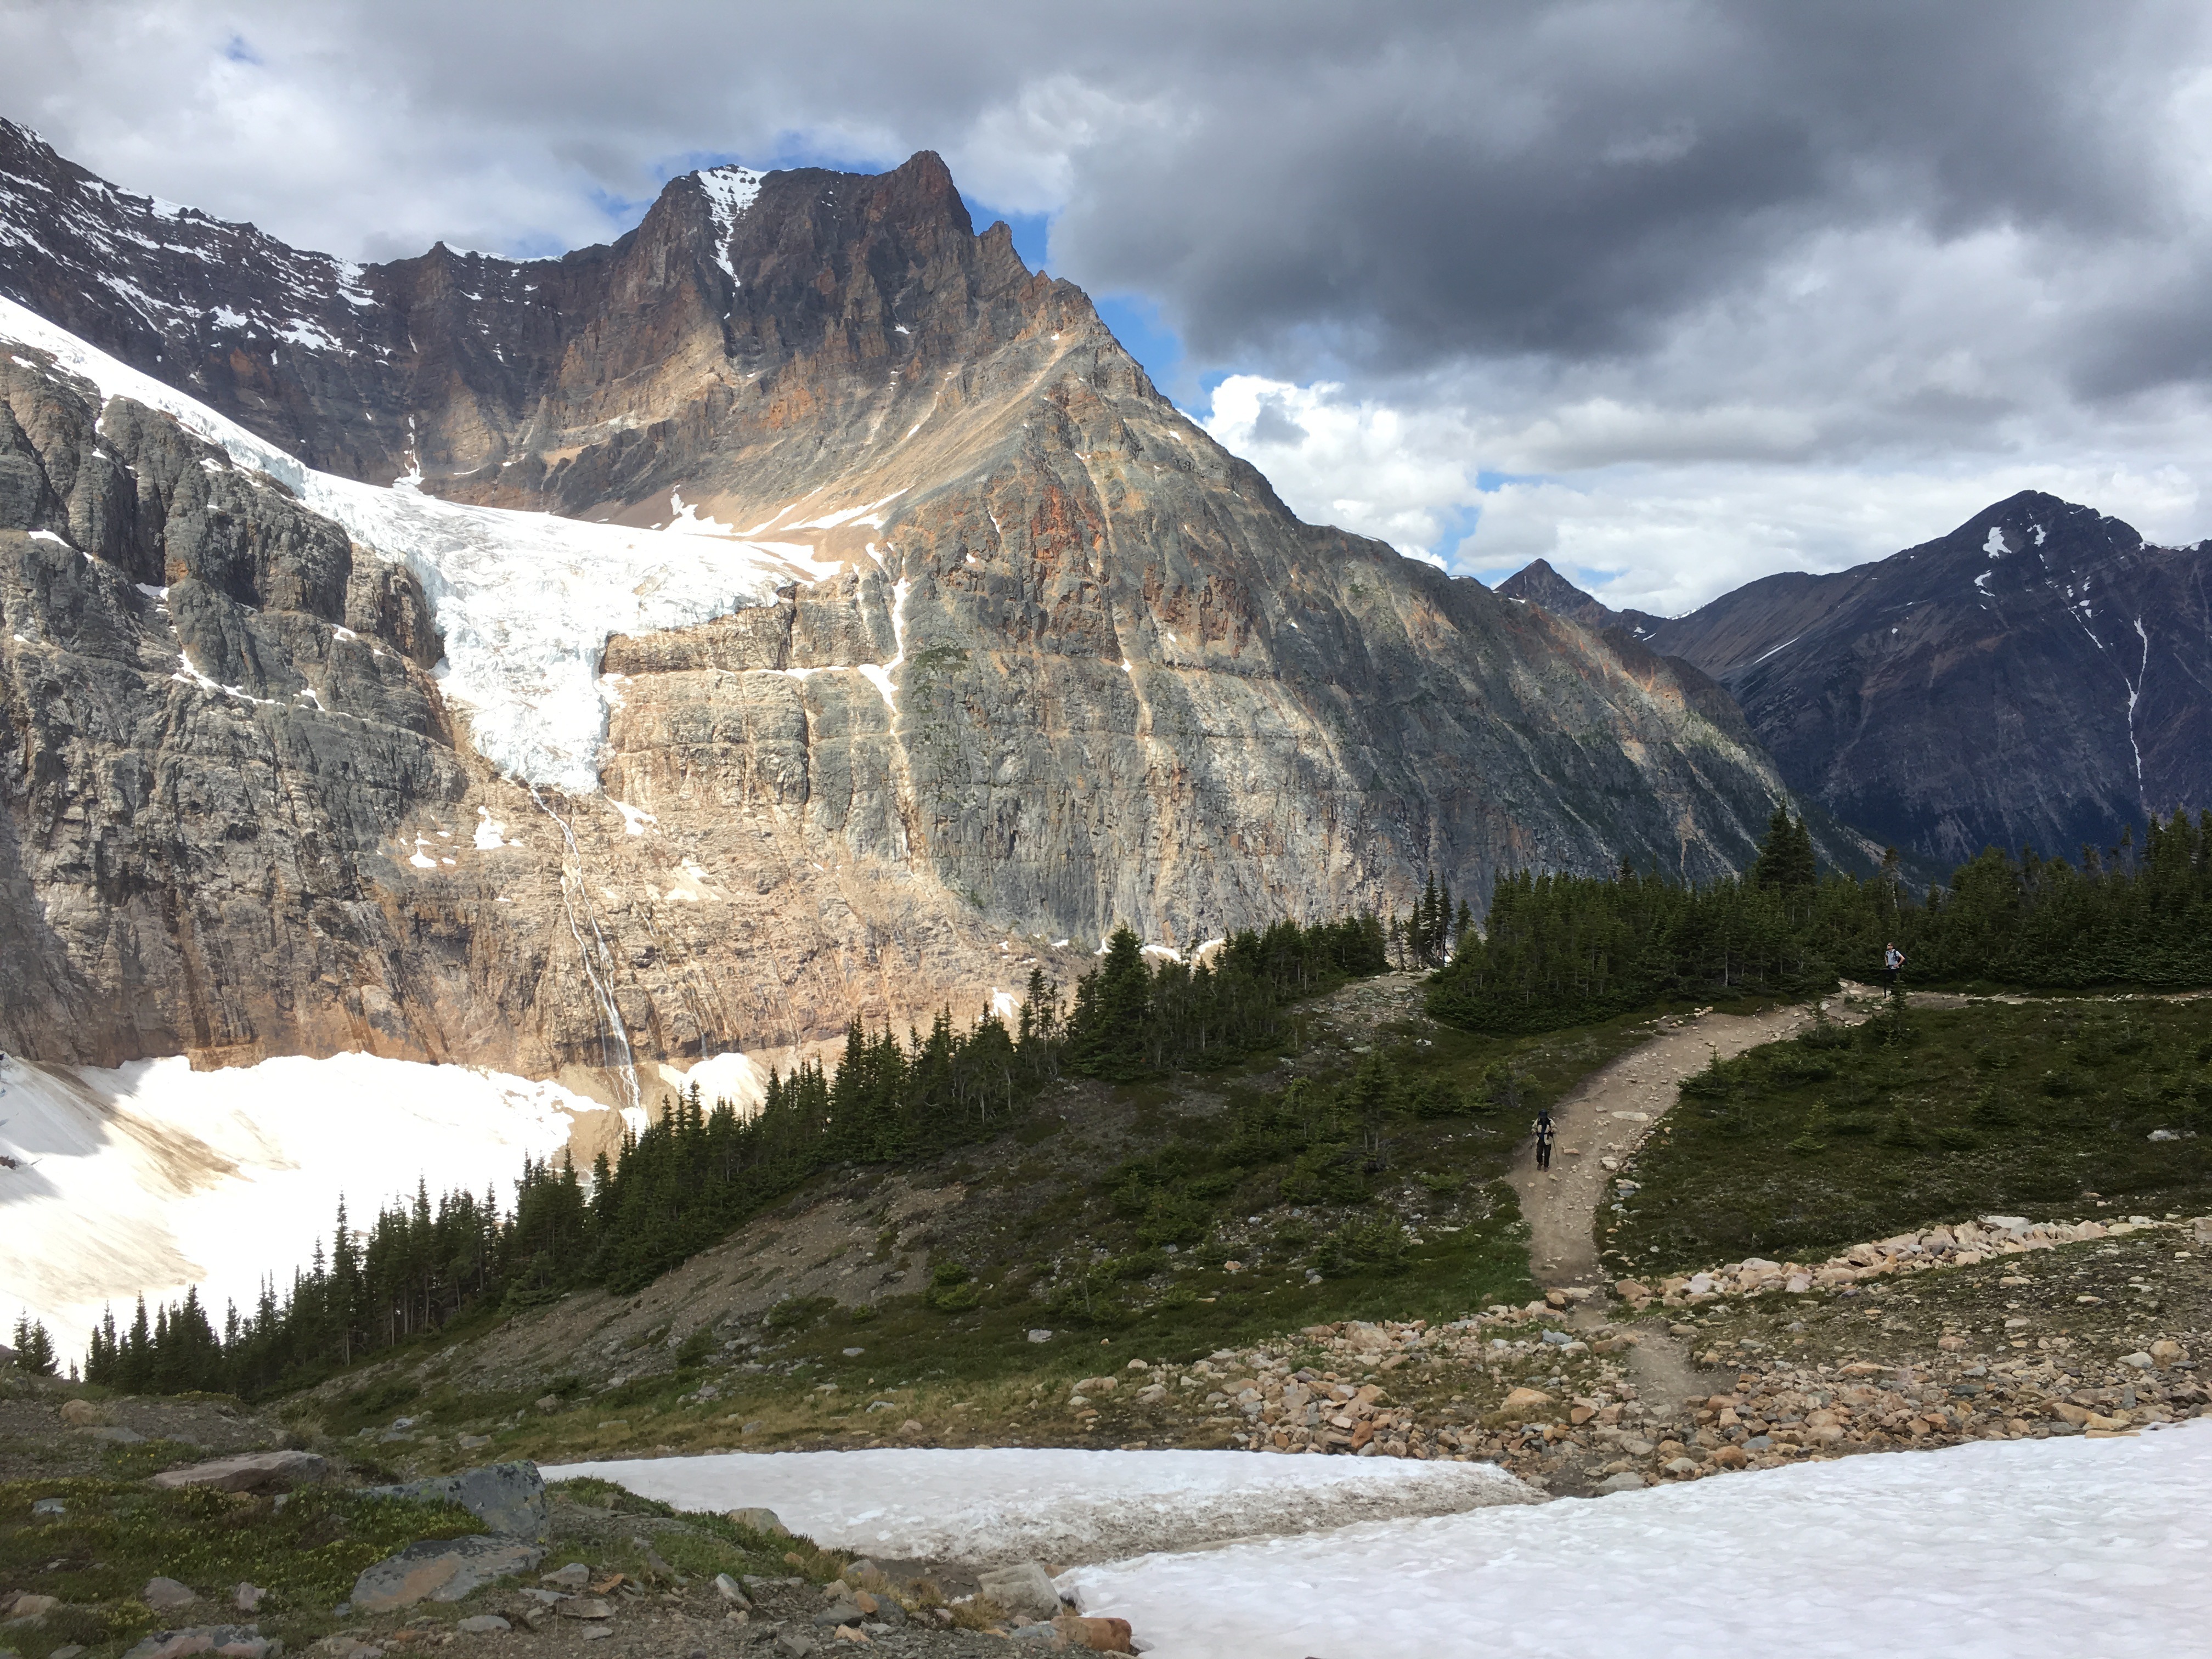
(526, 601)
(2007, 1549)
(153, 1176)
(990, 1506)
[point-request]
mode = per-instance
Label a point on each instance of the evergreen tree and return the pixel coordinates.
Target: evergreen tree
(34, 1348)
(1105, 1034)
(1563, 950)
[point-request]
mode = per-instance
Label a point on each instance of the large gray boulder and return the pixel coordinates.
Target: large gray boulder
(440, 1570)
(1026, 1589)
(251, 1472)
(508, 1497)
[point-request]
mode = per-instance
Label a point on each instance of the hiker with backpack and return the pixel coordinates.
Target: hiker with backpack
(1543, 1137)
(1892, 964)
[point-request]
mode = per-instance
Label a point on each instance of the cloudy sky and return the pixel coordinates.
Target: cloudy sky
(1673, 293)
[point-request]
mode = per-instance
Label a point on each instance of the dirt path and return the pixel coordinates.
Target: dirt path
(1606, 1117)
(1601, 1122)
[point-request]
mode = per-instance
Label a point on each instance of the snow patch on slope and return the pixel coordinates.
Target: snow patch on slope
(2027, 1549)
(991, 1504)
(729, 191)
(152, 1177)
(736, 1077)
(526, 601)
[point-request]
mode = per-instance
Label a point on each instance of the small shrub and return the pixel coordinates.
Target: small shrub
(795, 1313)
(1993, 1109)
(951, 1287)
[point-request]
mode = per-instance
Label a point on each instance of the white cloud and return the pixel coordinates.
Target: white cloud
(1668, 540)
(1372, 470)
(1662, 534)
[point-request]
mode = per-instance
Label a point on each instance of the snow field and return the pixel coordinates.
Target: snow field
(994, 1504)
(1999, 1550)
(152, 1177)
(526, 601)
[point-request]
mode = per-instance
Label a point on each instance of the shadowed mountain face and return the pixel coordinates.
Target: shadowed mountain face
(2040, 676)
(1063, 660)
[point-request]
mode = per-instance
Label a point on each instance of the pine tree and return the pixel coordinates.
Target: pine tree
(1105, 1034)
(34, 1348)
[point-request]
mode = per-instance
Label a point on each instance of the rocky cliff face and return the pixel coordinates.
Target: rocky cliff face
(2040, 676)
(1054, 661)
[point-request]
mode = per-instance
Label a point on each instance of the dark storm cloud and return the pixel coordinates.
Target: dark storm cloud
(1440, 241)
(1383, 185)
(1505, 180)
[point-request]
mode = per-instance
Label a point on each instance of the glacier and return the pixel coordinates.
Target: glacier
(526, 602)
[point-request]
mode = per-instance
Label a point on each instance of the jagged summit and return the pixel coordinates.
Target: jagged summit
(1048, 659)
(1537, 583)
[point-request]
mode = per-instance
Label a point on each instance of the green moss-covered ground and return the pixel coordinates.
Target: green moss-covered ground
(2041, 1109)
(115, 1535)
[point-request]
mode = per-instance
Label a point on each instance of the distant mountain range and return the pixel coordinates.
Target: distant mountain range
(2040, 676)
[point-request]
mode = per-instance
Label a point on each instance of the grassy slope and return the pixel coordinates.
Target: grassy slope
(1797, 1149)
(1040, 1205)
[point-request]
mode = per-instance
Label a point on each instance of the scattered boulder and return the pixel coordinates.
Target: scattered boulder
(484, 1624)
(167, 1594)
(33, 1606)
(583, 1606)
(440, 1570)
(574, 1577)
(251, 1472)
(1026, 1589)
(1626, 1481)
(759, 1520)
(727, 1589)
(247, 1598)
(508, 1497)
(1094, 1635)
(81, 1415)
(1524, 1402)
(228, 1641)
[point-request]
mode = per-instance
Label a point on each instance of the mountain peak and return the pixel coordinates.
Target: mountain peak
(2033, 519)
(1537, 583)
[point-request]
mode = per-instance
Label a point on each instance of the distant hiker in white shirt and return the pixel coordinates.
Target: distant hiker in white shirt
(1893, 962)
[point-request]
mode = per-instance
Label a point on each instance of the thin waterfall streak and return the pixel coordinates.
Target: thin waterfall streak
(610, 1019)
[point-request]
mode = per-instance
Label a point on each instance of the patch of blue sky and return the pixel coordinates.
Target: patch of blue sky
(238, 50)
